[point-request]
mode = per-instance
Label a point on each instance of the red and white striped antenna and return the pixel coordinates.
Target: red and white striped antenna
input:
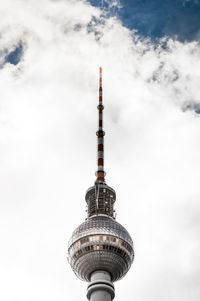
(100, 135)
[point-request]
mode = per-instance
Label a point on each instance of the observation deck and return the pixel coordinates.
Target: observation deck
(100, 243)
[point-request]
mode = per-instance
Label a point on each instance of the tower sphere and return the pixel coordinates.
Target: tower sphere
(100, 243)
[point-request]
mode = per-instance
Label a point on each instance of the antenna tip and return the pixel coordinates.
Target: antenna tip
(100, 69)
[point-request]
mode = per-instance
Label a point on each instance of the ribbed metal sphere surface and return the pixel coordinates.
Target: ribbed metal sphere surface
(100, 243)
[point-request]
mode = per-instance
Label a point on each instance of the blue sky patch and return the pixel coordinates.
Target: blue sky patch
(14, 56)
(178, 19)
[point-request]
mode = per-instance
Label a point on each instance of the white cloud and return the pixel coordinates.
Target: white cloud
(47, 155)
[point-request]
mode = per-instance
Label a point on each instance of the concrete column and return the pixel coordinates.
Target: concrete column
(100, 288)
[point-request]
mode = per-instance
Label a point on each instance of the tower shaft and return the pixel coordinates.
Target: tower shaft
(100, 288)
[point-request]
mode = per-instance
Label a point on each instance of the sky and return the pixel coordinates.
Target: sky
(178, 19)
(50, 52)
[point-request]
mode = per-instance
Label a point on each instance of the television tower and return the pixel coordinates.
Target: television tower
(100, 249)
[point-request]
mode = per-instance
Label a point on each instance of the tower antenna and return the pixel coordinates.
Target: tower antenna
(100, 134)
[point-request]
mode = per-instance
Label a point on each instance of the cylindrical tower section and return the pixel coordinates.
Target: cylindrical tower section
(100, 287)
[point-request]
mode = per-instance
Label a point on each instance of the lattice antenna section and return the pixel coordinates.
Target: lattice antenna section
(100, 200)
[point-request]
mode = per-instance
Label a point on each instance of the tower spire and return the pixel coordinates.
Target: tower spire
(100, 135)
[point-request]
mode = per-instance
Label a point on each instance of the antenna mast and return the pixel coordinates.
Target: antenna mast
(100, 135)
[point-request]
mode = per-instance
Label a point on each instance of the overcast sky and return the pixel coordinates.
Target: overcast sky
(50, 52)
